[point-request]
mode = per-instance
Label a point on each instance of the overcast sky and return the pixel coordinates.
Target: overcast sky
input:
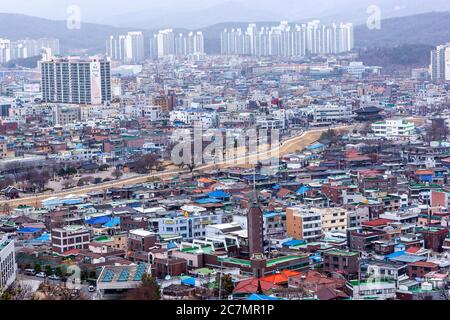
(150, 12)
(96, 10)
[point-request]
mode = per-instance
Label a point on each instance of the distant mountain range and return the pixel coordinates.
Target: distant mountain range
(424, 29)
(90, 37)
(200, 14)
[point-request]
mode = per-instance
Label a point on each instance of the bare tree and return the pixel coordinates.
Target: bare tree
(117, 173)
(148, 290)
(68, 183)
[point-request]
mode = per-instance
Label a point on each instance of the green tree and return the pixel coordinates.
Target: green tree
(58, 271)
(37, 267)
(227, 285)
(48, 270)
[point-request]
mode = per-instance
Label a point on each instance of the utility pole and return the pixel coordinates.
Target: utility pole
(220, 280)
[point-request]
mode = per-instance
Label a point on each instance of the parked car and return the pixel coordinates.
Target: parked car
(41, 275)
(54, 277)
(29, 272)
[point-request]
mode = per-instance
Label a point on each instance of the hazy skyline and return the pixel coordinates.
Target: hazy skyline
(200, 13)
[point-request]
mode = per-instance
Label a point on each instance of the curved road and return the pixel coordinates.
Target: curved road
(291, 145)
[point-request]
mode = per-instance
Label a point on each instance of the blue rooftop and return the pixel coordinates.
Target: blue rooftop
(408, 258)
(255, 297)
(303, 190)
(98, 220)
(218, 194)
(394, 255)
(44, 237)
(172, 245)
(208, 200)
(188, 281)
(273, 214)
(315, 146)
(29, 230)
(113, 222)
(292, 243)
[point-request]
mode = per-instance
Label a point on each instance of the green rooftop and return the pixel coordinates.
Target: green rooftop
(168, 236)
(279, 260)
(342, 253)
(236, 261)
(103, 239)
(207, 249)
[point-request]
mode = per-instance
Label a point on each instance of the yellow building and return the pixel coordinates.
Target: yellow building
(333, 219)
(120, 241)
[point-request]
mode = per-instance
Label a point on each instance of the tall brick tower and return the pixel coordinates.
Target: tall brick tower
(256, 237)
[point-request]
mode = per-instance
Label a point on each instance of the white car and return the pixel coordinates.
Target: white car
(54, 277)
(41, 275)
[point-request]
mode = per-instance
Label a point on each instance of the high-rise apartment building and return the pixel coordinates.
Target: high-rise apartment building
(132, 48)
(440, 63)
(76, 81)
(5, 50)
(135, 47)
(128, 48)
(167, 43)
(288, 40)
(21, 49)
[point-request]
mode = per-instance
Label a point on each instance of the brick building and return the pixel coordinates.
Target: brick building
(343, 262)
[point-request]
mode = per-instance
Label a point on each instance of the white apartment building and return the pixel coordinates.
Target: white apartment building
(8, 266)
(152, 113)
(331, 112)
(21, 49)
(5, 50)
(167, 43)
(270, 124)
(243, 119)
(85, 155)
(69, 238)
(440, 63)
(393, 128)
(128, 48)
(188, 226)
(191, 116)
(73, 80)
(287, 40)
(376, 290)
